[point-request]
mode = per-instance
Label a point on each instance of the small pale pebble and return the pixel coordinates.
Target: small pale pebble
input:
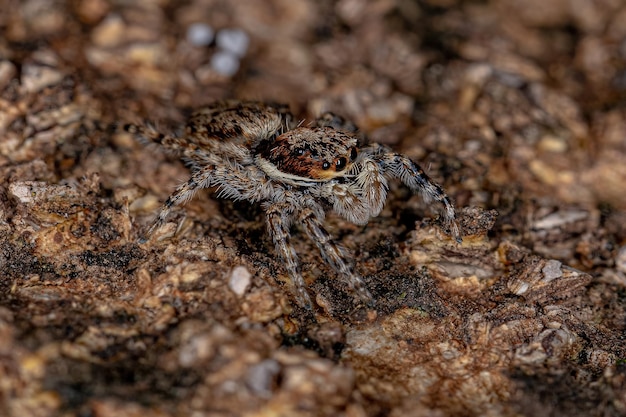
(110, 32)
(620, 261)
(225, 63)
(552, 270)
(7, 72)
(22, 192)
(239, 280)
(37, 77)
(234, 41)
(261, 376)
(478, 74)
(200, 34)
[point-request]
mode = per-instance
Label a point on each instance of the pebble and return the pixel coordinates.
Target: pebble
(234, 41)
(261, 376)
(239, 280)
(552, 270)
(7, 72)
(37, 77)
(110, 32)
(550, 143)
(225, 63)
(200, 34)
(620, 261)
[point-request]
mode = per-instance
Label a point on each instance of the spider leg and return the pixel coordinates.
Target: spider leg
(233, 182)
(148, 133)
(414, 177)
(336, 122)
(279, 219)
(333, 254)
(201, 178)
(190, 147)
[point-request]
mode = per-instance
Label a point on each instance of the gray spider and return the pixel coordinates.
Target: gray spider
(256, 152)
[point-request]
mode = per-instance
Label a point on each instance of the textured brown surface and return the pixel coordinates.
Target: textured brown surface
(516, 108)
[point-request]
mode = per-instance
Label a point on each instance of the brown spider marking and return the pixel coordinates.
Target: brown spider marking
(256, 152)
(307, 153)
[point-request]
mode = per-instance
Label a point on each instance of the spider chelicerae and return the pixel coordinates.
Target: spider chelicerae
(257, 152)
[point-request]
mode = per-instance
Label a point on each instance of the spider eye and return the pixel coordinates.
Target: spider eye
(353, 154)
(325, 165)
(340, 164)
(299, 152)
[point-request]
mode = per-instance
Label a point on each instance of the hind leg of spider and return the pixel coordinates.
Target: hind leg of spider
(279, 219)
(333, 254)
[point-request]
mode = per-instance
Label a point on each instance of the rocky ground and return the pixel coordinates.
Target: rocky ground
(518, 108)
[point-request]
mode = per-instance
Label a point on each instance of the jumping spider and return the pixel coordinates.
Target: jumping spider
(257, 152)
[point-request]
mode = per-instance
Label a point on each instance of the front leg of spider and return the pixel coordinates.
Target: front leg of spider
(413, 176)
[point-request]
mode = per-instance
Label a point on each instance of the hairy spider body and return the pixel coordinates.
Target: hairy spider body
(256, 152)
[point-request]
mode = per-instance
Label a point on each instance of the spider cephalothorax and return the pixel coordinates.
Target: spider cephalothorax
(254, 151)
(305, 154)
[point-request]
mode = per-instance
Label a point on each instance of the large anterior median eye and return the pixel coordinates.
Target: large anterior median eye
(340, 164)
